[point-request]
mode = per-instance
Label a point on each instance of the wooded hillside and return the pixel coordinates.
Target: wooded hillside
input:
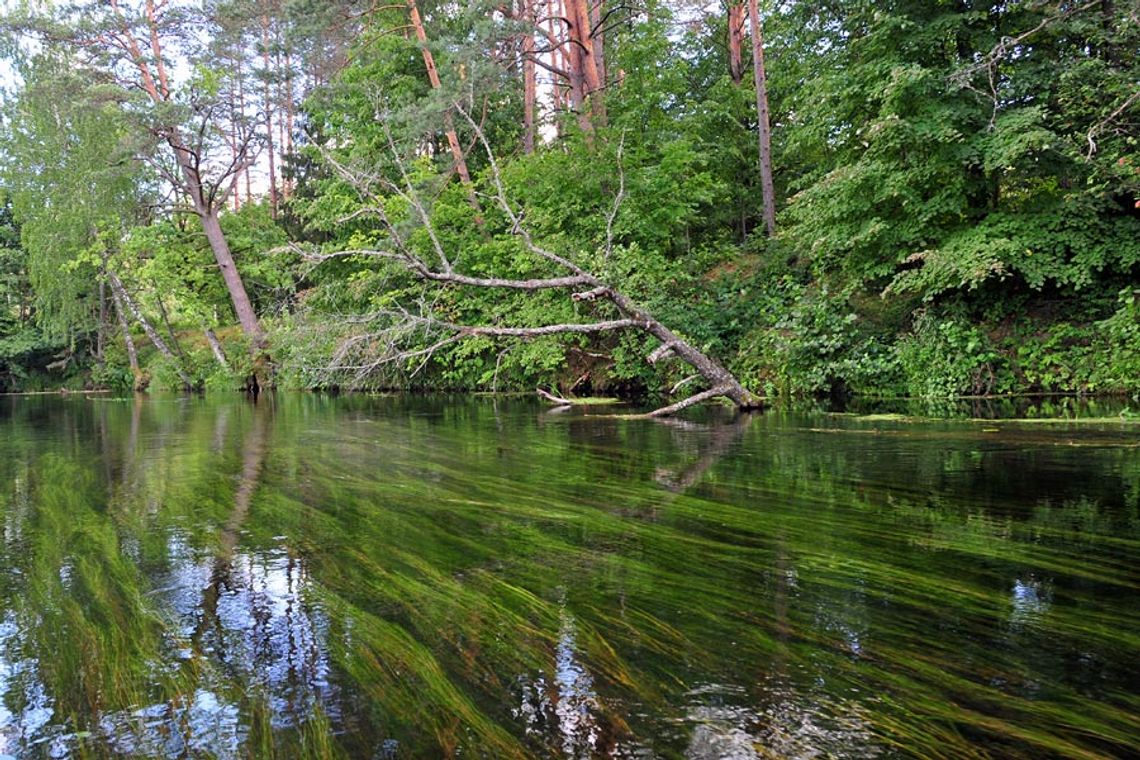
(921, 198)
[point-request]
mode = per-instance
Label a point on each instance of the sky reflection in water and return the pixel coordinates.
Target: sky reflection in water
(388, 578)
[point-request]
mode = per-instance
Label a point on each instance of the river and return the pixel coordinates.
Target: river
(390, 577)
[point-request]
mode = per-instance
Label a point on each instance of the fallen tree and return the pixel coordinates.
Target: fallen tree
(580, 283)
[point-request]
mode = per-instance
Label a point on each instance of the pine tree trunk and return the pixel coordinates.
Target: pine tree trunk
(767, 187)
(530, 79)
(597, 35)
(290, 113)
(433, 77)
(586, 85)
(241, 110)
(554, 10)
(736, 42)
(269, 145)
(155, 83)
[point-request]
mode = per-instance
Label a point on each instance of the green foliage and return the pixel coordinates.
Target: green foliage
(810, 342)
(198, 361)
(69, 176)
(950, 357)
(1117, 346)
(923, 160)
(113, 376)
(937, 189)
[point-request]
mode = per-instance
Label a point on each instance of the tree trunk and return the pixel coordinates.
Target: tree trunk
(596, 14)
(586, 84)
(581, 284)
(243, 307)
(241, 110)
(155, 84)
(736, 42)
(433, 77)
(722, 382)
(530, 79)
(166, 323)
(290, 111)
(216, 347)
(101, 332)
(125, 297)
(557, 60)
(128, 341)
(269, 146)
(232, 139)
(767, 188)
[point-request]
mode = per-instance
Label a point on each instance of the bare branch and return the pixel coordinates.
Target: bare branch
(590, 295)
(551, 397)
(517, 227)
(1100, 126)
(495, 282)
(1005, 46)
(413, 198)
(535, 332)
(697, 398)
(377, 348)
(683, 383)
(661, 352)
(556, 70)
(617, 199)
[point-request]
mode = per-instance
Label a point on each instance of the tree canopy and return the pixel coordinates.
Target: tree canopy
(955, 188)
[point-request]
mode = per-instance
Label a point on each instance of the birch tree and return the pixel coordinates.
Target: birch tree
(131, 47)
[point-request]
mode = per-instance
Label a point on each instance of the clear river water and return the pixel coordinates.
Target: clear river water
(395, 577)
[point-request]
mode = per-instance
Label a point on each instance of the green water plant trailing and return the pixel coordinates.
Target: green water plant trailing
(422, 551)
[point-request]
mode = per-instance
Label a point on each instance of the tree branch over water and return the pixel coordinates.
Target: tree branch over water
(387, 345)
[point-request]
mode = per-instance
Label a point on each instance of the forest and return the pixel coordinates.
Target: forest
(646, 198)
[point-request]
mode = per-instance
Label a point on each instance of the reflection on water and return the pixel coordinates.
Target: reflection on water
(25, 707)
(1030, 601)
(391, 578)
(568, 706)
(201, 724)
(249, 621)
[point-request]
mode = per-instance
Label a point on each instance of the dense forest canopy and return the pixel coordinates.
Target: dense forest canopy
(903, 198)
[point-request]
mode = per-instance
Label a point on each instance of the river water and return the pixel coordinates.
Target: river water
(371, 577)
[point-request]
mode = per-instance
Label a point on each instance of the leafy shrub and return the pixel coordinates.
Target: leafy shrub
(1118, 355)
(813, 342)
(950, 357)
(113, 376)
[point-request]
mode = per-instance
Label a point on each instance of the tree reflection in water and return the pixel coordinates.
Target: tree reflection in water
(392, 578)
(567, 707)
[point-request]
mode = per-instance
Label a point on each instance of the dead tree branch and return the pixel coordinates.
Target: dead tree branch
(387, 344)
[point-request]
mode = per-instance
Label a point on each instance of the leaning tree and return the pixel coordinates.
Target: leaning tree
(394, 196)
(131, 47)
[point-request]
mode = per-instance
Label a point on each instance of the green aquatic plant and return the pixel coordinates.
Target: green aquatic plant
(318, 577)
